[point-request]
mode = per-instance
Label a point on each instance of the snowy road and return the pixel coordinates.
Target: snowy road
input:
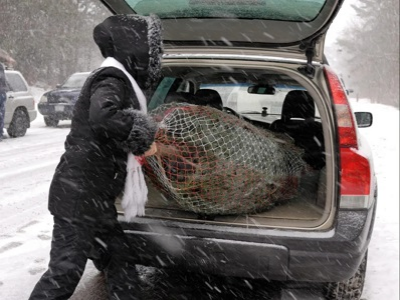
(26, 168)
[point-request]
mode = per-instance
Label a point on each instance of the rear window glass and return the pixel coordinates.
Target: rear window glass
(285, 10)
(237, 97)
(252, 94)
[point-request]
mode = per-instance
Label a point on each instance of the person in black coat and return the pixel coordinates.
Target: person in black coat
(3, 98)
(108, 124)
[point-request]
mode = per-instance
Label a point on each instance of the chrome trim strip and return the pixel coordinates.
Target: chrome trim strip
(356, 201)
(236, 57)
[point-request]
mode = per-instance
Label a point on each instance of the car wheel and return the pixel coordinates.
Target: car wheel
(50, 121)
(19, 124)
(350, 289)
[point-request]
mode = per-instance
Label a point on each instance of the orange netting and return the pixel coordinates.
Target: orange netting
(211, 162)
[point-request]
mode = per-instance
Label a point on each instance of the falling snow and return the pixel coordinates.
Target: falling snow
(28, 164)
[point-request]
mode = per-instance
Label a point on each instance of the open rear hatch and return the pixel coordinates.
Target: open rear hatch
(294, 29)
(281, 29)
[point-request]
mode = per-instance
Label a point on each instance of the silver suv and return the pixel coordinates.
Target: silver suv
(20, 104)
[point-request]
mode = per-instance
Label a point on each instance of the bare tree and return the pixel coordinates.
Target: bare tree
(372, 51)
(50, 39)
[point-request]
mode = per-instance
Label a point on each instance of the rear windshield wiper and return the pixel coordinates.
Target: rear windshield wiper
(250, 112)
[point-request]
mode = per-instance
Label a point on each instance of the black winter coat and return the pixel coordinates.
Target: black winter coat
(106, 125)
(2, 79)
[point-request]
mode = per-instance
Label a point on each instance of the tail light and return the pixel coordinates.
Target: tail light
(355, 169)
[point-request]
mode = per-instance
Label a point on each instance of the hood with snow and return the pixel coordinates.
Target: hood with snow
(135, 41)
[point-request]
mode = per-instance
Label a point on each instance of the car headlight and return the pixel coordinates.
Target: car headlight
(43, 99)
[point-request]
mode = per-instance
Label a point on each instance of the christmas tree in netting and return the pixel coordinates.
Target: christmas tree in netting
(214, 163)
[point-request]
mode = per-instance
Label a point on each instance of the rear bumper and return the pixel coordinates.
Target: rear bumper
(256, 253)
(32, 115)
(56, 111)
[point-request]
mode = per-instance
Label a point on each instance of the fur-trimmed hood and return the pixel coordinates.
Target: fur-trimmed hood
(135, 41)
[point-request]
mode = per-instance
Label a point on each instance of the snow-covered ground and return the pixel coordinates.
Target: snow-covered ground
(27, 165)
(382, 282)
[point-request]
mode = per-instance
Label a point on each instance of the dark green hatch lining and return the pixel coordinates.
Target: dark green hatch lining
(288, 27)
(282, 10)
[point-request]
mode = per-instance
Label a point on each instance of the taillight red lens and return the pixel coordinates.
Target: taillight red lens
(344, 116)
(356, 173)
(355, 181)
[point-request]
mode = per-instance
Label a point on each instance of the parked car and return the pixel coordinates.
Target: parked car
(257, 102)
(58, 104)
(322, 234)
(20, 104)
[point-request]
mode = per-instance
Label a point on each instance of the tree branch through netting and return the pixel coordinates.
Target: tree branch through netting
(214, 163)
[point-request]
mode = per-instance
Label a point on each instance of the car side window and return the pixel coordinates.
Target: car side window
(16, 83)
(161, 92)
(8, 87)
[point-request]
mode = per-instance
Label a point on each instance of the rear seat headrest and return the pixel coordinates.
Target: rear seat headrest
(208, 97)
(179, 97)
(298, 104)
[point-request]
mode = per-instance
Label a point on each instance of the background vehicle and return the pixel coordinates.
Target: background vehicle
(20, 104)
(257, 102)
(58, 104)
(322, 234)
